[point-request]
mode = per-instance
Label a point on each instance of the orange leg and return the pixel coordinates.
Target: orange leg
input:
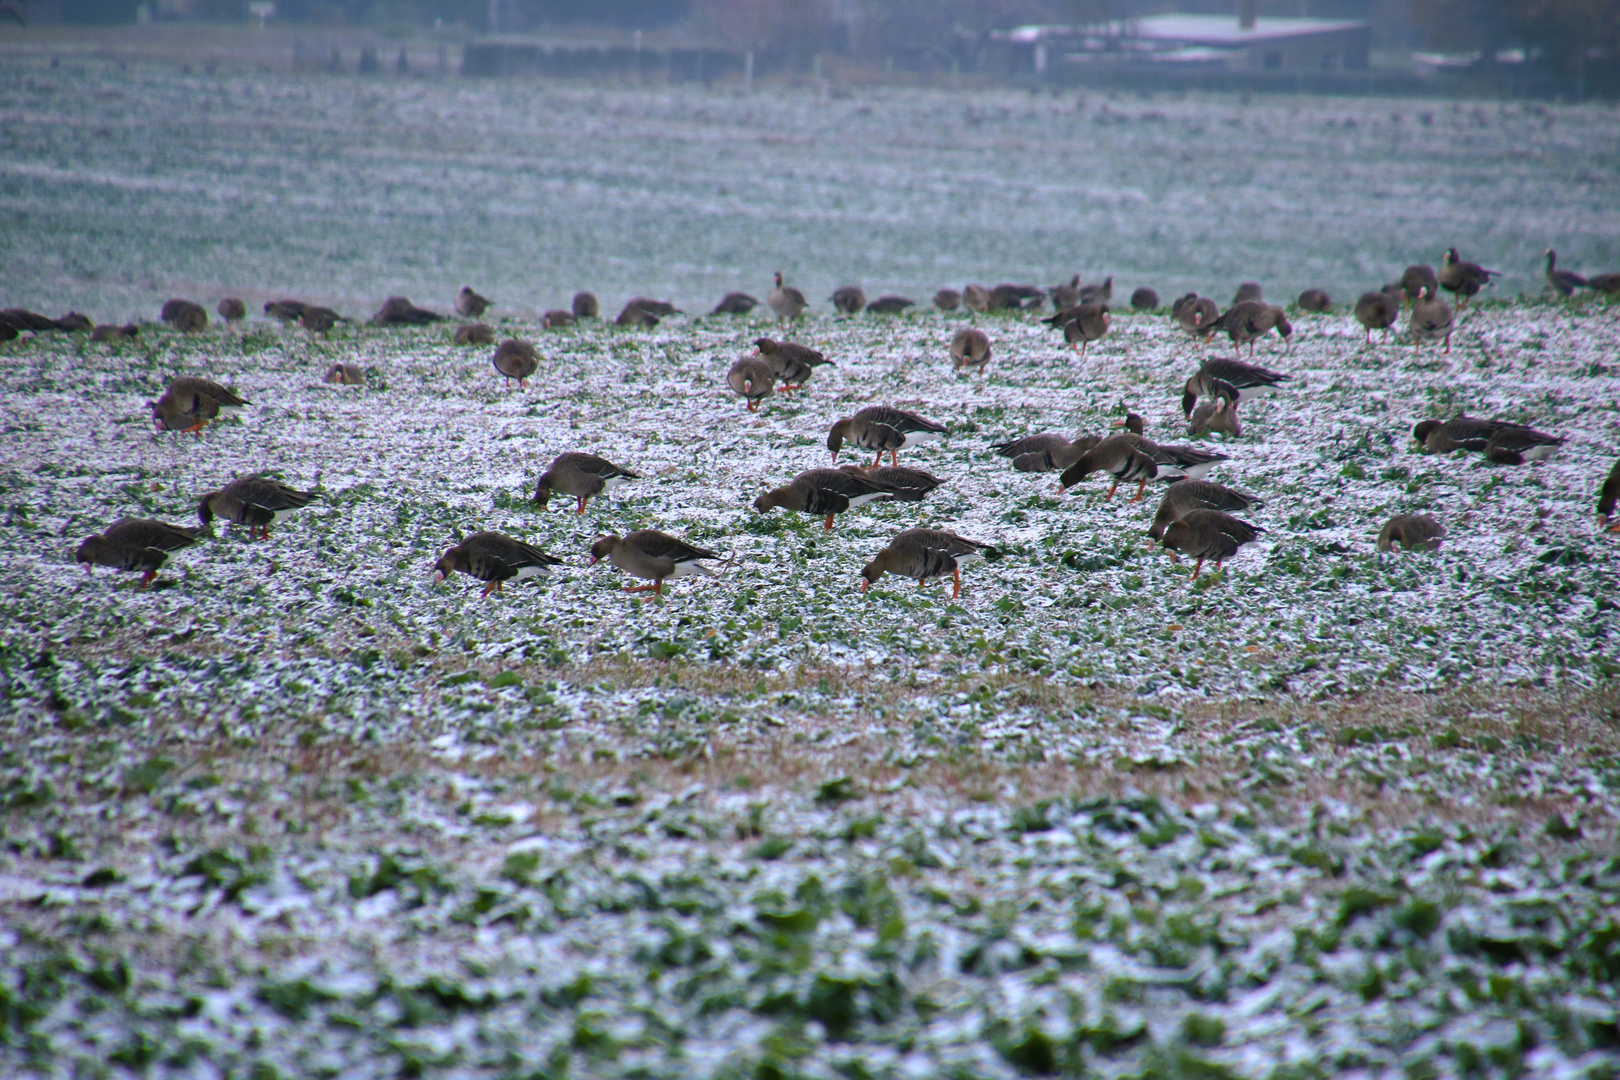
(146, 578)
(829, 522)
(494, 586)
(753, 403)
(894, 458)
(645, 588)
(1139, 489)
(582, 499)
(956, 578)
(1111, 488)
(877, 460)
(1199, 565)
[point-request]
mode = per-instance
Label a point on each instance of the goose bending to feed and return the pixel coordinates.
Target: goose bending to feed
(494, 558)
(556, 318)
(109, 332)
(1184, 495)
(1500, 441)
(907, 484)
(1314, 300)
(1098, 294)
(890, 305)
(653, 556)
(470, 304)
(1046, 452)
(970, 349)
(319, 319)
(232, 310)
(1464, 279)
(516, 359)
(1231, 379)
(475, 334)
(1411, 532)
(1066, 295)
(585, 305)
(947, 300)
(848, 299)
(1196, 314)
(1431, 319)
(288, 311)
(1010, 297)
(1608, 495)
(1413, 281)
(786, 301)
(753, 378)
(735, 303)
(1248, 291)
(633, 314)
(825, 493)
(1219, 415)
(134, 544)
(883, 429)
(1604, 283)
(579, 476)
(661, 308)
(1207, 534)
(1117, 455)
(1378, 311)
(1248, 322)
(1562, 282)
(791, 363)
(1144, 299)
(183, 315)
(1173, 461)
(976, 298)
(925, 554)
(399, 311)
(345, 375)
(255, 501)
(190, 402)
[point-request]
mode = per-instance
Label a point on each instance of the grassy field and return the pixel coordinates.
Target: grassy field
(297, 811)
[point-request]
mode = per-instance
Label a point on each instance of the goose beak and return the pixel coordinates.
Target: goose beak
(438, 576)
(865, 584)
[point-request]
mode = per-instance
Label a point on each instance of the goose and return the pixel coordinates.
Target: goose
(585, 305)
(753, 378)
(108, 332)
(345, 375)
(475, 334)
(232, 310)
(890, 305)
(184, 316)
(288, 311)
(399, 311)
(1010, 297)
(947, 300)
(970, 348)
(319, 319)
(976, 298)
(1411, 532)
(1173, 460)
(1377, 311)
(134, 544)
(1218, 416)
(1144, 299)
(255, 501)
(633, 314)
(1314, 300)
(73, 323)
(556, 318)
(908, 484)
(22, 320)
(1184, 495)
(925, 554)
(1563, 282)
(1431, 319)
(1248, 321)
(1500, 441)
(494, 558)
(516, 359)
(1090, 323)
(1608, 495)
(1604, 283)
(652, 555)
(190, 401)
(1066, 295)
(1098, 294)
(470, 304)
(1231, 379)
(883, 429)
(735, 303)
(1046, 452)
(1196, 314)
(791, 363)
(1116, 455)
(1207, 534)
(1464, 279)
(1248, 291)
(788, 302)
(848, 299)
(826, 492)
(580, 476)
(1413, 280)
(661, 308)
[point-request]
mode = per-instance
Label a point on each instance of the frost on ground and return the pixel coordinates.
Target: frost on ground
(301, 812)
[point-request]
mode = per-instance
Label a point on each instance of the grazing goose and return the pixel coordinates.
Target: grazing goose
(1066, 295)
(255, 501)
(1608, 495)
(633, 314)
(319, 319)
(753, 378)
(661, 308)
(556, 318)
(848, 299)
(475, 334)
(947, 300)
(1173, 460)
(826, 492)
(494, 558)
(976, 298)
(1431, 319)
(791, 363)
(288, 311)
(232, 310)
(1144, 299)
(108, 332)
(345, 375)
(1010, 297)
(970, 348)
(1184, 495)
(1411, 532)
(399, 311)
(908, 484)
(73, 323)
(925, 554)
(1090, 323)
(1604, 283)
(883, 429)
(1207, 534)
(1098, 294)
(1500, 441)
(516, 359)
(470, 304)
(183, 315)
(1413, 281)
(1117, 455)
(580, 476)
(1248, 291)
(1046, 452)
(1464, 279)
(890, 305)
(786, 301)
(1196, 314)
(189, 402)
(655, 556)
(135, 544)
(585, 305)
(1229, 378)
(1378, 311)
(1563, 282)
(1248, 321)
(1314, 300)
(735, 303)
(22, 320)
(1218, 415)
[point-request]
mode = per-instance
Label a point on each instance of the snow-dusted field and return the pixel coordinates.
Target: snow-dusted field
(300, 812)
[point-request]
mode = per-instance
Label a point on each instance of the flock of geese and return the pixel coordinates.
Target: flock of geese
(1195, 517)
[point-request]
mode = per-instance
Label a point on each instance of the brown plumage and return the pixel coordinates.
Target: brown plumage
(108, 332)
(319, 319)
(1608, 495)
(557, 317)
(516, 359)
(232, 309)
(470, 304)
(1248, 291)
(1117, 455)
(1249, 321)
(288, 311)
(924, 554)
(785, 300)
(1378, 311)
(1098, 294)
(133, 544)
(947, 300)
(652, 555)
(1411, 532)
(1604, 283)
(1413, 281)
(494, 558)
(189, 402)
(1501, 441)
(890, 305)
(1228, 379)
(1431, 319)
(1563, 282)
(791, 364)
(1217, 416)
(848, 299)
(884, 430)
(825, 492)
(1464, 279)
(907, 484)
(345, 375)
(1066, 295)
(634, 314)
(1144, 299)
(1195, 314)
(1011, 297)
(1207, 534)
(475, 334)
(753, 378)
(1314, 300)
(735, 303)
(185, 316)
(976, 298)
(1185, 495)
(581, 476)
(1046, 452)
(970, 348)
(585, 305)
(399, 311)
(254, 501)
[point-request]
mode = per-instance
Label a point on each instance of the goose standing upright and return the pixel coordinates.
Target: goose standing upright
(788, 302)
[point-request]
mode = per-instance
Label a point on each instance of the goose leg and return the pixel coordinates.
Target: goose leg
(894, 456)
(1139, 489)
(877, 460)
(582, 499)
(828, 526)
(1111, 488)
(489, 588)
(1197, 567)
(956, 578)
(146, 578)
(642, 588)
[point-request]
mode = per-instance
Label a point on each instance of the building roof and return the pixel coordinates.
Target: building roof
(1223, 31)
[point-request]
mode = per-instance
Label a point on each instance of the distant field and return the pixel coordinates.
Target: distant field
(297, 811)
